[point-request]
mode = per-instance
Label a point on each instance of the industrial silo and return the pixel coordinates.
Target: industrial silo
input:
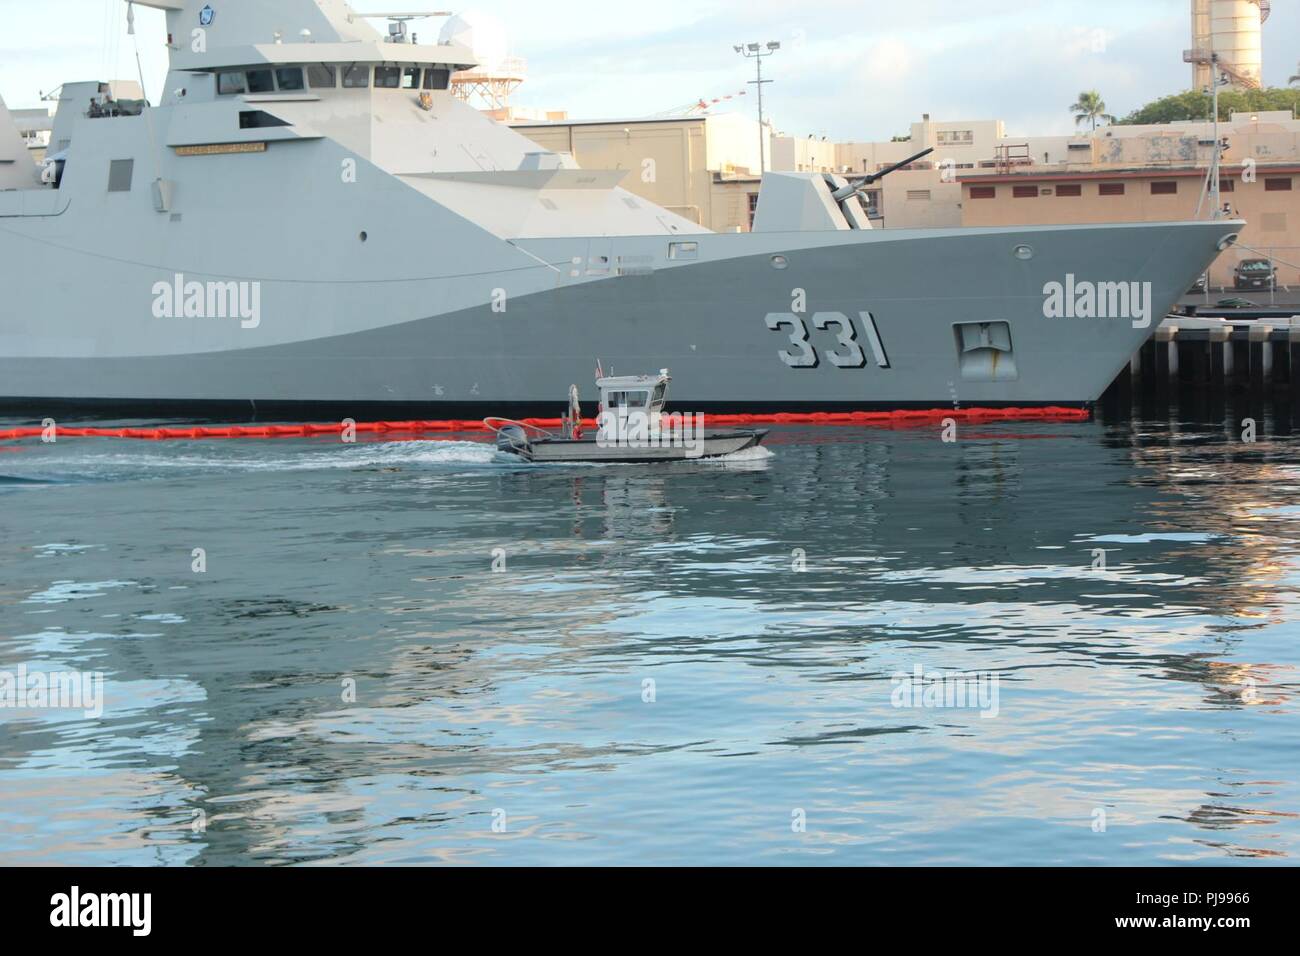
(1232, 29)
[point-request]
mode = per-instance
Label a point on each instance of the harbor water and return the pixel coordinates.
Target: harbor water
(1070, 643)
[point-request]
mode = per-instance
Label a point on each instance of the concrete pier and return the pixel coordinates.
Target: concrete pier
(1190, 352)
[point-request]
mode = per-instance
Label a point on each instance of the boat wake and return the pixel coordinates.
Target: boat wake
(87, 461)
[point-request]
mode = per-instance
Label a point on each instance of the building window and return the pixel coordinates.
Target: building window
(388, 77)
(320, 76)
(356, 77)
(1277, 185)
(875, 203)
(120, 172)
(261, 81)
(753, 208)
(984, 192)
(1025, 192)
(1112, 189)
(955, 137)
(437, 78)
(1069, 190)
(1164, 188)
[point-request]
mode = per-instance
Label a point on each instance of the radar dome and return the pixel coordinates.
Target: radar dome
(482, 33)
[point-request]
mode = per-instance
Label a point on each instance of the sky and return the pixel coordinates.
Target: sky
(848, 69)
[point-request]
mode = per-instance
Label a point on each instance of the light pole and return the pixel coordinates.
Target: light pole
(756, 52)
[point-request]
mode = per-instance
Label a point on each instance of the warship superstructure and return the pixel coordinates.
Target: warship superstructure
(308, 217)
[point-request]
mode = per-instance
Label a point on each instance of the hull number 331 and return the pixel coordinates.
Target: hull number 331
(847, 351)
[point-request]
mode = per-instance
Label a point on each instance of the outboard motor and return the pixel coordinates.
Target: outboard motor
(513, 440)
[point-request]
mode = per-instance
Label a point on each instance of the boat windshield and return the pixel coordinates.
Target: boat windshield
(628, 399)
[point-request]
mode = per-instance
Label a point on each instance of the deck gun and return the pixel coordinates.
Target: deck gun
(852, 189)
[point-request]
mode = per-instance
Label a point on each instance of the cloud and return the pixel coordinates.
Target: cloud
(847, 70)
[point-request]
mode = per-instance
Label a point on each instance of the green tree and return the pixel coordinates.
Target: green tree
(1090, 107)
(1296, 78)
(1196, 105)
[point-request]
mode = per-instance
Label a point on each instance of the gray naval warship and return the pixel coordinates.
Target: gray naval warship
(308, 218)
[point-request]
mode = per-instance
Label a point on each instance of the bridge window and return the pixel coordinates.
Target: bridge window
(437, 78)
(388, 77)
(356, 77)
(289, 79)
(411, 78)
(321, 76)
(261, 81)
(229, 84)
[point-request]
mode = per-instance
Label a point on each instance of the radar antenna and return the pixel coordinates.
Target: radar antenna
(397, 23)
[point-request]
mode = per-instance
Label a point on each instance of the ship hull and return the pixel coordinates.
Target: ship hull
(777, 322)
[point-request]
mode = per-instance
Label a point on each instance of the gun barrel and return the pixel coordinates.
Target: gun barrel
(899, 165)
(844, 192)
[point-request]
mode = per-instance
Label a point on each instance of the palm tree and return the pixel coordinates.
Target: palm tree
(1090, 107)
(1295, 79)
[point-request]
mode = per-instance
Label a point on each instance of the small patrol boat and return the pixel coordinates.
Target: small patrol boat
(632, 426)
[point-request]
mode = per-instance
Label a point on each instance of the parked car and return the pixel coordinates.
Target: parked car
(1255, 274)
(1198, 287)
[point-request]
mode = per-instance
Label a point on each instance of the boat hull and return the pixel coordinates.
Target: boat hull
(728, 326)
(588, 450)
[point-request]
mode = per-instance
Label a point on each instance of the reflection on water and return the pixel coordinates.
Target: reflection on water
(418, 653)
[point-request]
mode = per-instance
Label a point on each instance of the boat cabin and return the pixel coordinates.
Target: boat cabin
(631, 403)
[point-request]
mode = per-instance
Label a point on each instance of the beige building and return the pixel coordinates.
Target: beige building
(1267, 197)
(1146, 173)
(703, 167)
(923, 195)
